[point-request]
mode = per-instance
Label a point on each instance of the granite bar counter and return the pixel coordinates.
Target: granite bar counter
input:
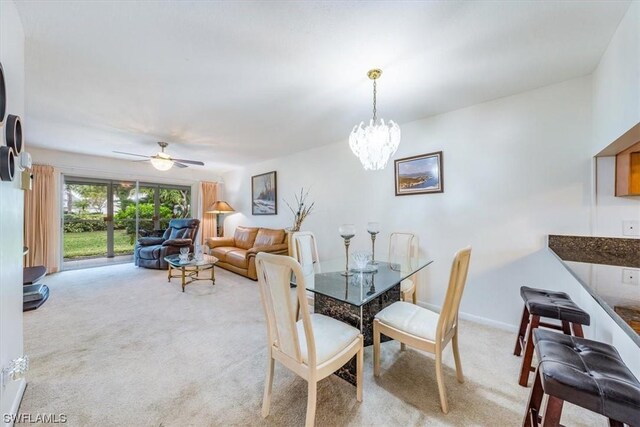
(581, 255)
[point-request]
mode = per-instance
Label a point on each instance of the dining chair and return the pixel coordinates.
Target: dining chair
(404, 250)
(425, 329)
(305, 250)
(313, 347)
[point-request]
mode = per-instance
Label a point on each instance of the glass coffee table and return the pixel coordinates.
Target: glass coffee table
(189, 269)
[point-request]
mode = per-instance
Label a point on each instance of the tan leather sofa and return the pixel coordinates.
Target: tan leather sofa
(238, 253)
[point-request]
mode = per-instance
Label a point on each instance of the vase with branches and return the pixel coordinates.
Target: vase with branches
(301, 210)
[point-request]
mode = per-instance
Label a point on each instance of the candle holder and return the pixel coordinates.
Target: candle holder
(373, 228)
(347, 231)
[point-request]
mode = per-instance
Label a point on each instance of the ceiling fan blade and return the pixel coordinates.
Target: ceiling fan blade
(180, 165)
(131, 154)
(190, 162)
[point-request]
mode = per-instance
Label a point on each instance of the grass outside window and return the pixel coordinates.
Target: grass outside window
(94, 243)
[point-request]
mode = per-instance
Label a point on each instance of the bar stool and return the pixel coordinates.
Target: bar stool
(552, 305)
(589, 374)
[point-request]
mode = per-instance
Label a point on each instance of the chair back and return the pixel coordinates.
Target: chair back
(274, 275)
(449, 314)
(403, 249)
(305, 250)
(182, 228)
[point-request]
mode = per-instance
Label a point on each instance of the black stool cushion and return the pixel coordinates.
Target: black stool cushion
(589, 374)
(554, 305)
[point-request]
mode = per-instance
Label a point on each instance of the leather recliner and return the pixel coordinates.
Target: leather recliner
(149, 252)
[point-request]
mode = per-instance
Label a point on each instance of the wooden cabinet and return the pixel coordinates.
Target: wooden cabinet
(628, 171)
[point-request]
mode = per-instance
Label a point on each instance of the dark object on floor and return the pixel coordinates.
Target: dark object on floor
(32, 275)
(149, 252)
(551, 305)
(587, 373)
(34, 296)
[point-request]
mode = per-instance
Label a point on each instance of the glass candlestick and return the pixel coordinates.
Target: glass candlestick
(347, 231)
(373, 228)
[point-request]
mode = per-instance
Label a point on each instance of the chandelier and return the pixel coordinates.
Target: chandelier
(375, 143)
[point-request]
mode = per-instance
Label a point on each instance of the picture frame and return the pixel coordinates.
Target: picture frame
(422, 174)
(264, 194)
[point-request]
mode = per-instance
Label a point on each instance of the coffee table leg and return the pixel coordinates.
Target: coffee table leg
(213, 275)
(169, 270)
(184, 280)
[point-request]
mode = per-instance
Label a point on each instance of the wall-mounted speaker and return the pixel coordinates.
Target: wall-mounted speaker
(3, 96)
(13, 133)
(7, 164)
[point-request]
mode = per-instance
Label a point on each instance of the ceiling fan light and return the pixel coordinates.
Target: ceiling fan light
(161, 163)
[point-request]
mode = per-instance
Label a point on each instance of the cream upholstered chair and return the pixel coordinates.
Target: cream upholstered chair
(313, 347)
(404, 250)
(425, 329)
(303, 248)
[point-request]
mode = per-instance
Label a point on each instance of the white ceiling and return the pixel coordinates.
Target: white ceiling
(232, 83)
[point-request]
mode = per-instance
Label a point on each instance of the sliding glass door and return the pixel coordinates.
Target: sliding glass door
(103, 218)
(84, 225)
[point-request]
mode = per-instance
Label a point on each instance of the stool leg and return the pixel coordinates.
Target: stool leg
(535, 401)
(566, 327)
(528, 352)
(522, 331)
(577, 330)
(553, 413)
(615, 423)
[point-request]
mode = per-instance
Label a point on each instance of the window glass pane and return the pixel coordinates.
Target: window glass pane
(84, 226)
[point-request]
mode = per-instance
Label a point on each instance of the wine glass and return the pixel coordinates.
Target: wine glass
(184, 253)
(373, 228)
(347, 231)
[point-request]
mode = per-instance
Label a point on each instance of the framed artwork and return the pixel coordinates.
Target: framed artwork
(264, 194)
(419, 174)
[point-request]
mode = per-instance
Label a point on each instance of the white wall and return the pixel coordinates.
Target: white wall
(515, 170)
(611, 211)
(616, 83)
(11, 211)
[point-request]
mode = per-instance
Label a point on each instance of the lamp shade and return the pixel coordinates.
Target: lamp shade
(220, 206)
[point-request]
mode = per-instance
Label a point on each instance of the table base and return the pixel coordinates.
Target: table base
(358, 317)
(189, 274)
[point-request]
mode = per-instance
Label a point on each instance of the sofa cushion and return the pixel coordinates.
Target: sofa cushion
(269, 237)
(220, 252)
(245, 236)
(237, 257)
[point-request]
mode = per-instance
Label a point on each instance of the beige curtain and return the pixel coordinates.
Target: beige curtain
(208, 195)
(41, 219)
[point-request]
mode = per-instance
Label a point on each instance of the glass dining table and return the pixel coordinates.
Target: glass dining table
(357, 298)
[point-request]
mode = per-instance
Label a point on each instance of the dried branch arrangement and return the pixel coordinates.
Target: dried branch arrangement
(302, 210)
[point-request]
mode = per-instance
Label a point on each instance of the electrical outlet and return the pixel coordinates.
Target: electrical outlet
(631, 228)
(630, 276)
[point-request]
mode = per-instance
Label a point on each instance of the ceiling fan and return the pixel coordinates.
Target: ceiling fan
(162, 161)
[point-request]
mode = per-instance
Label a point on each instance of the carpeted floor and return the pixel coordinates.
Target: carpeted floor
(119, 346)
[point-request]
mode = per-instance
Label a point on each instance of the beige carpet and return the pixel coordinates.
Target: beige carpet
(119, 346)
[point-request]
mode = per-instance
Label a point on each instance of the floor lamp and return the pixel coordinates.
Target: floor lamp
(219, 208)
